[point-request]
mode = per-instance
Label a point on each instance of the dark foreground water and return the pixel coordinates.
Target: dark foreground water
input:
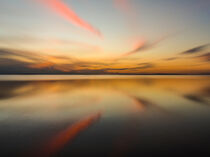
(104, 116)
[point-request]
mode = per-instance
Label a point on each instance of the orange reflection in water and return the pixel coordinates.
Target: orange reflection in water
(132, 101)
(66, 136)
(142, 92)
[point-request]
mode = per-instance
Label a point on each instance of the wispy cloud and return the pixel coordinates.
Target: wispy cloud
(146, 65)
(13, 61)
(22, 62)
(20, 55)
(66, 12)
(196, 49)
(143, 45)
(205, 57)
(136, 67)
(139, 47)
(171, 59)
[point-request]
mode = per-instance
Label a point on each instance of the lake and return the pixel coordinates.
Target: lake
(74, 115)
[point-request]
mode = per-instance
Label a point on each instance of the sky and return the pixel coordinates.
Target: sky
(104, 37)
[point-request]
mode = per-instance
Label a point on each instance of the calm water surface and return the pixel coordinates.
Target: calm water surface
(104, 115)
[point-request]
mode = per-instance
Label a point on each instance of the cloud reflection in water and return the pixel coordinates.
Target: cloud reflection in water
(135, 110)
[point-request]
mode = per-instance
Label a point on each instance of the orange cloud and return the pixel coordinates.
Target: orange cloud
(66, 12)
(140, 45)
(41, 65)
(143, 45)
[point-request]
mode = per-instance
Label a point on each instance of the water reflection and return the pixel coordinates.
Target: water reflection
(137, 115)
(65, 136)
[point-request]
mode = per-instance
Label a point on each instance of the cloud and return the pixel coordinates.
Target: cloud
(22, 62)
(170, 59)
(146, 65)
(205, 57)
(67, 13)
(12, 66)
(143, 45)
(16, 61)
(137, 67)
(9, 53)
(196, 49)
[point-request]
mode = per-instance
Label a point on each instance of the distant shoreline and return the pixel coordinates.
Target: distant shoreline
(103, 74)
(93, 77)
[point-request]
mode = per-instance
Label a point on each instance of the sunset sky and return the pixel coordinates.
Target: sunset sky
(105, 36)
